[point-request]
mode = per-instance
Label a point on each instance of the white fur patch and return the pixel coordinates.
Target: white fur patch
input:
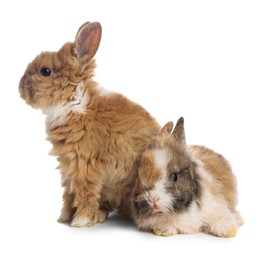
(191, 221)
(165, 199)
(161, 158)
(159, 190)
(77, 104)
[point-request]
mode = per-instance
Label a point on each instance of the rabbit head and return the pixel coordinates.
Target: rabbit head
(167, 181)
(52, 77)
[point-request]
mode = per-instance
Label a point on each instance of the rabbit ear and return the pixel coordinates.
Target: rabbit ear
(87, 40)
(166, 129)
(179, 131)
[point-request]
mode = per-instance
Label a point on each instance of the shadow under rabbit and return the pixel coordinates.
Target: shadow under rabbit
(113, 221)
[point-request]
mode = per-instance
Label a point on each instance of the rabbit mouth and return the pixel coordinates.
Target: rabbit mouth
(146, 209)
(26, 90)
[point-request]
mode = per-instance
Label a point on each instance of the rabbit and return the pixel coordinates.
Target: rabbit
(184, 188)
(97, 135)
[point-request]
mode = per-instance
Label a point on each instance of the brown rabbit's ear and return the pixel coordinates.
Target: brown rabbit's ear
(87, 40)
(179, 131)
(167, 128)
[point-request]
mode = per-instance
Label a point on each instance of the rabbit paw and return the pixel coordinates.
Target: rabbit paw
(165, 232)
(88, 221)
(224, 232)
(231, 233)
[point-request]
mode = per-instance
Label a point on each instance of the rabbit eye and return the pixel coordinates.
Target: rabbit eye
(45, 72)
(175, 177)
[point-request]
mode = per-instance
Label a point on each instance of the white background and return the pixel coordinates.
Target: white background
(209, 61)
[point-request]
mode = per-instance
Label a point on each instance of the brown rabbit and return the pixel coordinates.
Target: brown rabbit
(96, 134)
(184, 189)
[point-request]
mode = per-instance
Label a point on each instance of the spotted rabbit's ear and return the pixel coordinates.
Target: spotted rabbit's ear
(179, 131)
(166, 129)
(87, 40)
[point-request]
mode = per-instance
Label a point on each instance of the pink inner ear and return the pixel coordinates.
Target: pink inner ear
(88, 39)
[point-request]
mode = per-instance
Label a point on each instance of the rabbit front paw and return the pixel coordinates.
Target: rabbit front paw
(88, 220)
(170, 231)
(231, 233)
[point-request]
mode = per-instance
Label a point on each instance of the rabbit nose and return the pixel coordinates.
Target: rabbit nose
(25, 85)
(154, 198)
(24, 82)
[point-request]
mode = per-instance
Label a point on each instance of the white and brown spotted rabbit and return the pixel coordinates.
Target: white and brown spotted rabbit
(96, 134)
(184, 189)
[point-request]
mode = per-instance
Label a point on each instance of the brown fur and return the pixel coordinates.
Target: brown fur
(98, 148)
(221, 171)
(148, 165)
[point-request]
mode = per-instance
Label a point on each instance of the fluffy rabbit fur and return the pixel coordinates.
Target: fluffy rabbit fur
(184, 189)
(97, 135)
